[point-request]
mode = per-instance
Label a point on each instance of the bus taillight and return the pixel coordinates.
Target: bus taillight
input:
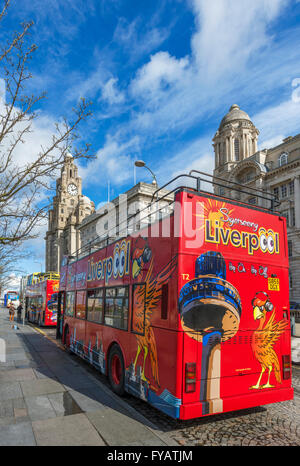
(190, 377)
(286, 367)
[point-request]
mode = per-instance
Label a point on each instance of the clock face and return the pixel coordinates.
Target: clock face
(72, 189)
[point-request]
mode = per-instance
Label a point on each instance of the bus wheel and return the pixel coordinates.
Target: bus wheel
(116, 372)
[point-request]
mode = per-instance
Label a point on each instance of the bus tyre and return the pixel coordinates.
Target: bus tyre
(116, 372)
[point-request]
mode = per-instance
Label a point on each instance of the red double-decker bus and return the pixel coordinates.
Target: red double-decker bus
(190, 313)
(41, 302)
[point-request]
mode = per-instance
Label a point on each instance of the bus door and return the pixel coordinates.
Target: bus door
(60, 315)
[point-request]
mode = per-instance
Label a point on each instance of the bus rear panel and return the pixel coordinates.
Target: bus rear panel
(233, 307)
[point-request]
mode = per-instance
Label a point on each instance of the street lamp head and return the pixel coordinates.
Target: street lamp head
(139, 163)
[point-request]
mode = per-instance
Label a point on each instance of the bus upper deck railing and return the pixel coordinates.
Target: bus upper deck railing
(268, 199)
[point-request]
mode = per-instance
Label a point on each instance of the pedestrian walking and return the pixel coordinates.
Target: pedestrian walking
(11, 311)
(19, 311)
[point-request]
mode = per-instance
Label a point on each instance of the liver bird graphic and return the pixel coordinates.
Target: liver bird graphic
(264, 338)
(146, 299)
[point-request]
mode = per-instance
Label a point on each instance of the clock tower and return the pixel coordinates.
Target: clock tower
(69, 208)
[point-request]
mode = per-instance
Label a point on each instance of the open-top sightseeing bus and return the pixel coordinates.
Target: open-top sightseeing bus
(11, 297)
(190, 313)
(41, 302)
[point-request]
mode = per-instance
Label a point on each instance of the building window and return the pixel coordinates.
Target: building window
(292, 217)
(236, 150)
(283, 189)
(290, 279)
(283, 159)
(290, 248)
(222, 150)
(276, 193)
(291, 187)
(285, 214)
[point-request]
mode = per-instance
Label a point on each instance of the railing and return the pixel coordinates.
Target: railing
(197, 181)
(237, 187)
(41, 276)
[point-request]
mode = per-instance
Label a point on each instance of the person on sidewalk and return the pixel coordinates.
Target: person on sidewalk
(19, 311)
(11, 311)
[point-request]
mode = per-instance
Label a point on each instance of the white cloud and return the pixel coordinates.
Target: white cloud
(114, 162)
(111, 93)
(195, 155)
(161, 70)
(177, 93)
(230, 31)
(137, 45)
(277, 122)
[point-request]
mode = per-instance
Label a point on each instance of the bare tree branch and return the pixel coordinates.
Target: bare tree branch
(23, 184)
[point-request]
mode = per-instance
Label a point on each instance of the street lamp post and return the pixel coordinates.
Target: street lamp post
(140, 164)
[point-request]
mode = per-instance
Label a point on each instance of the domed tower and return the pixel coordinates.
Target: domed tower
(235, 140)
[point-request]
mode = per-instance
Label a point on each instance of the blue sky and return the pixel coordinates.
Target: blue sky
(161, 75)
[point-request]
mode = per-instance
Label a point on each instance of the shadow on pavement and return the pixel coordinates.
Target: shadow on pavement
(80, 392)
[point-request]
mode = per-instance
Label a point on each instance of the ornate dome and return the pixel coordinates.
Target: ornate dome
(235, 113)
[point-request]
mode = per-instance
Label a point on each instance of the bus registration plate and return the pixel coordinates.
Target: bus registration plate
(273, 284)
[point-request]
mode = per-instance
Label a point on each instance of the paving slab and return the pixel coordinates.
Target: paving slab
(119, 429)
(10, 390)
(20, 434)
(75, 430)
(7, 365)
(39, 407)
(6, 408)
(17, 375)
(40, 387)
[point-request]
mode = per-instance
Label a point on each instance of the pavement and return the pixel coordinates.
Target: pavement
(48, 398)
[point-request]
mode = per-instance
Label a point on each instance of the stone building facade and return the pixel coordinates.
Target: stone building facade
(68, 211)
(275, 170)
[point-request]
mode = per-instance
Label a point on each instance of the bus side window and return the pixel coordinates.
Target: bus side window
(164, 301)
(138, 308)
